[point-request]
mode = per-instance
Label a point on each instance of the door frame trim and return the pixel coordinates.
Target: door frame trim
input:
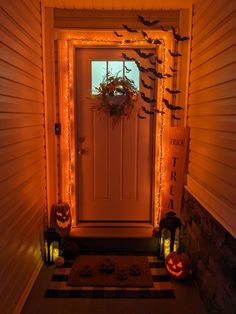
(66, 66)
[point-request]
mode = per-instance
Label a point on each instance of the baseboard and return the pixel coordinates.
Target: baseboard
(27, 289)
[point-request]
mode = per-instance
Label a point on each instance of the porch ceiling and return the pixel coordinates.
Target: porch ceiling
(119, 4)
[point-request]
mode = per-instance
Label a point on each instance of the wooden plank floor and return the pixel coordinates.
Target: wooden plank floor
(187, 301)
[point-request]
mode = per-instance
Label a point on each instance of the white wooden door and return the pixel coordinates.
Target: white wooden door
(115, 164)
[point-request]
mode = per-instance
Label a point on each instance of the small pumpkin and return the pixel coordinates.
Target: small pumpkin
(178, 265)
(60, 218)
(59, 261)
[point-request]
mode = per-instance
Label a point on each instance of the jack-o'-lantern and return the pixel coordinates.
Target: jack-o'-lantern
(178, 265)
(60, 218)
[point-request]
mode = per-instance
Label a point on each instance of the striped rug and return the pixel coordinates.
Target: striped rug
(162, 288)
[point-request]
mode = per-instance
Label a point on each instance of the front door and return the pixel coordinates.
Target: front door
(115, 162)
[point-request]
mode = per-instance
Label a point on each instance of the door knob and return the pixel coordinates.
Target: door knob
(81, 151)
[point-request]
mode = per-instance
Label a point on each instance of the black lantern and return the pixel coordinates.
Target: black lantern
(169, 233)
(52, 241)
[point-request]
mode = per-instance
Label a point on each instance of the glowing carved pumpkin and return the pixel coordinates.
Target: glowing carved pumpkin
(60, 218)
(178, 265)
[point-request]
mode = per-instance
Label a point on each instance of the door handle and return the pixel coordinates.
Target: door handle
(81, 151)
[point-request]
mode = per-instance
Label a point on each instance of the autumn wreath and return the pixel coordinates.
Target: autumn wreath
(117, 96)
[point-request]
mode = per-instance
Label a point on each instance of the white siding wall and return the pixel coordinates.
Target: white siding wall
(212, 110)
(22, 150)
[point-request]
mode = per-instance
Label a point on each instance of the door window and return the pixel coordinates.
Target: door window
(101, 69)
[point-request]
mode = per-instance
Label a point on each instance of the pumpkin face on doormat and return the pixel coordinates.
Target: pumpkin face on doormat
(178, 265)
(60, 218)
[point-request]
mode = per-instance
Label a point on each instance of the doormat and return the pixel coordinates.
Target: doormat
(161, 289)
(110, 271)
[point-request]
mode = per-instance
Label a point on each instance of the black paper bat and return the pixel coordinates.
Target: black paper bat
(156, 61)
(127, 58)
(177, 36)
(154, 72)
(152, 78)
(127, 69)
(144, 34)
(131, 81)
(147, 99)
(146, 22)
(118, 35)
(158, 111)
(141, 117)
(143, 54)
(157, 41)
(173, 92)
(147, 111)
(151, 40)
(174, 117)
(141, 68)
(170, 106)
(174, 53)
(173, 70)
(164, 29)
(146, 85)
(131, 30)
(168, 75)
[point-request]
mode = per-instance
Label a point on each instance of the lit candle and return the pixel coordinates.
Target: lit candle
(55, 254)
(166, 247)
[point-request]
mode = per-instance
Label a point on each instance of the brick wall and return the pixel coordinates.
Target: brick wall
(213, 253)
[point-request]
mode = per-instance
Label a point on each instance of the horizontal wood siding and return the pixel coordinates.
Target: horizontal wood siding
(112, 19)
(212, 110)
(22, 150)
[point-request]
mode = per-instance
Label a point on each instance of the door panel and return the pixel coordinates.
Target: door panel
(114, 161)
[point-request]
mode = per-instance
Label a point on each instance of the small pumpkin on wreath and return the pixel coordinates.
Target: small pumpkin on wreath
(118, 97)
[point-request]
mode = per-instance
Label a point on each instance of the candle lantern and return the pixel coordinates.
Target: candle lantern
(52, 242)
(169, 233)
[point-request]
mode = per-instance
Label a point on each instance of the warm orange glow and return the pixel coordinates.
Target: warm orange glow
(79, 38)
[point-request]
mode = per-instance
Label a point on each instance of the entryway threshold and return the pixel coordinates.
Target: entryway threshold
(111, 232)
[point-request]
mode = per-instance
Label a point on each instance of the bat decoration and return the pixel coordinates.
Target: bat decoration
(170, 106)
(175, 118)
(174, 53)
(130, 30)
(141, 68)
(146, 85)
(141, 117)
(156, 61)
(156, 41)
(118, 35)
(152, 62)
(152, 78)
(154, 72)
(131, 81)
(147, 111)
(177, 36)
(168, 75)
(145, 35)
(173, 92)
(150, 40)
(143, 54)
(164, 29)
(173, 70)
(147, 99)
(146, 22)
(127, 58)
(158, 111)
(127, 69)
